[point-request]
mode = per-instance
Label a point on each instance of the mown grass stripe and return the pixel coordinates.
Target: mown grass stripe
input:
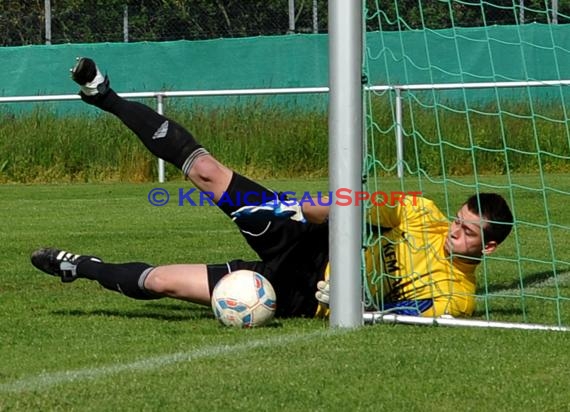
(562, 280)
(48, 380)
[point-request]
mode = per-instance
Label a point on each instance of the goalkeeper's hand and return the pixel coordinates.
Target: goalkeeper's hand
(272, 210)
(323, 294)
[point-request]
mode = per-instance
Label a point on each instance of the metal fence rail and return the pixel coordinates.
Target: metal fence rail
(397, 89)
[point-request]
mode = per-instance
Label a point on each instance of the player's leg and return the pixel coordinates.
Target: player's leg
(136, 280)
(181, 281)
(162, 136)
(170, 141)
(190, 282)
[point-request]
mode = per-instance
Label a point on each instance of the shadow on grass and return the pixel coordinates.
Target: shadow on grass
(176, 306)
(192, 313)
(155, 311)
(528, 281)
(498, 311)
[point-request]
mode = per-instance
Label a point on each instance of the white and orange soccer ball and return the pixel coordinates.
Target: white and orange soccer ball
(244, 299)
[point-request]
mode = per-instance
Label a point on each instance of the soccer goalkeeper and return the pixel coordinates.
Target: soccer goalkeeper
(430, 263)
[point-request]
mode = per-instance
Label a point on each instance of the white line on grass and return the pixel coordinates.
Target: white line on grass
(47, 380)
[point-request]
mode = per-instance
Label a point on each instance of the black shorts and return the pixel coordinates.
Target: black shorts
(293, 257)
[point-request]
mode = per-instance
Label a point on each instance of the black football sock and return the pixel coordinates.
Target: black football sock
(125, 278)
(163, 137)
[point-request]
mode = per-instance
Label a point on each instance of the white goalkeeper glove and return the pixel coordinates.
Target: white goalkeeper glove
(323, 294)
(272, 210)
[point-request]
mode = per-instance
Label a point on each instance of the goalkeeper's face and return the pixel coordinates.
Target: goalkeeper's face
(465, 236)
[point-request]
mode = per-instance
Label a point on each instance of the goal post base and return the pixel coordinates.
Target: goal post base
(371, 318)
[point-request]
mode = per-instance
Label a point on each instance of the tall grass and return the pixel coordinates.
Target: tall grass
(272, 141)
(41, 146)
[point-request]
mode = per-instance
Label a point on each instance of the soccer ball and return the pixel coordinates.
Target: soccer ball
(244, 299)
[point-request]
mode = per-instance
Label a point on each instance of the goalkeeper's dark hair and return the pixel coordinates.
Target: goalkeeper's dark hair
(497, 216)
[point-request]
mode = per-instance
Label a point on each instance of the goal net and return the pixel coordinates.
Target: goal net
(457, 102)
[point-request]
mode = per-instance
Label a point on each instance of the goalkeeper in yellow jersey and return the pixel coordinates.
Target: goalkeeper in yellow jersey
(419, 263)
(428, 263)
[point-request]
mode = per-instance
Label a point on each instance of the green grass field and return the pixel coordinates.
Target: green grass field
(79, 347)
